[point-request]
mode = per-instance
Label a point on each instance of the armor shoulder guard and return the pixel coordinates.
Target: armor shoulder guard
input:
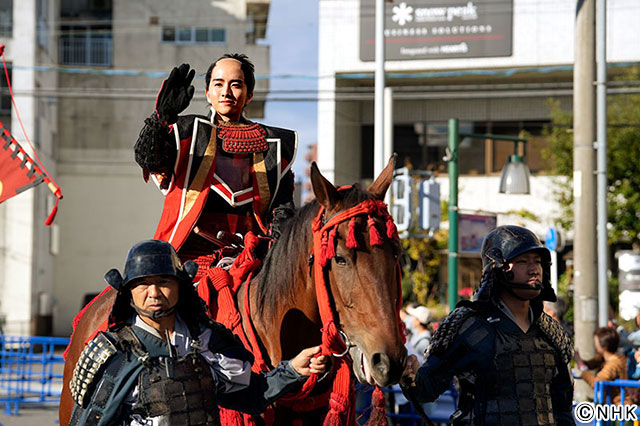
(186, 122)
(558, 337)
(91, 360)
(447, 331)
(288, 141)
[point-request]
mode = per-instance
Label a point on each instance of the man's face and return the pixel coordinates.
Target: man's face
(527, 269)
(155, 293)
(228, 93)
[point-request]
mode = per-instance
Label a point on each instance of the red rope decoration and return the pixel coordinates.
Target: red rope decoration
(341, 402)
(352, 242)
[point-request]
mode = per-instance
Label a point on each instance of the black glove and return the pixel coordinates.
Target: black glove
(175, 94)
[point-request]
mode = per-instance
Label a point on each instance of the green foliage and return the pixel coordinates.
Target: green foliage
(623, 156)
(524, 213)
(564, 280)
(420, 282)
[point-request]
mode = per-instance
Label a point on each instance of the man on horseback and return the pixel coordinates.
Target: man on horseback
(163, 361)
(510, 358)
(218, 173)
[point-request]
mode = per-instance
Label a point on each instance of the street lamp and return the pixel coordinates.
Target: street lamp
(515, 176)
(514, 180)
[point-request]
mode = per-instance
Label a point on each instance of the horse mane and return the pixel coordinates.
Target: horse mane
(279, 271)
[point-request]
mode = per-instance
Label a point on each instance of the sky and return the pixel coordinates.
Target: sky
(292, 33)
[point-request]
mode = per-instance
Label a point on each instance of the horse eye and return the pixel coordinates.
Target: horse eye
(341, 261)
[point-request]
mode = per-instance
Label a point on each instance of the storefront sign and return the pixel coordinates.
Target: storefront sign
(430, 29)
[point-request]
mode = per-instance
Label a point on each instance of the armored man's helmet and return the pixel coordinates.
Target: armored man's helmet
(499, 247)
(146, 259)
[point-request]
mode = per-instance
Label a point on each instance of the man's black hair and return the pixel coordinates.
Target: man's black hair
(245, 65)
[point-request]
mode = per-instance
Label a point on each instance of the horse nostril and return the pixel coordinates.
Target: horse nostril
(380, 363)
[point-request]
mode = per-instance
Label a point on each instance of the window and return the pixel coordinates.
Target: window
(6, 18)
(5, 97)
(85, 47)
(42, 12)
(193, 35)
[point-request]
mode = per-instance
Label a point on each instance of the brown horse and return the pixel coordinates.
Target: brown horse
(363, 289)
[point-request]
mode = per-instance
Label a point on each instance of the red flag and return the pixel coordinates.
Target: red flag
(18, 172)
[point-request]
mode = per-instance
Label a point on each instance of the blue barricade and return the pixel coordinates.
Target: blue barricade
(405, 414)
(30, 370)
(601, 396)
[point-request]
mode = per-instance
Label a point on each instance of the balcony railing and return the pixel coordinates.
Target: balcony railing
(86, 51)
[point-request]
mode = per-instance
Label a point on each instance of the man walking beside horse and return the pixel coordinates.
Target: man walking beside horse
(163, 361)
(510, 358)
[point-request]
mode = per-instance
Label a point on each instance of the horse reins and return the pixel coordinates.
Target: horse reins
(334, 341)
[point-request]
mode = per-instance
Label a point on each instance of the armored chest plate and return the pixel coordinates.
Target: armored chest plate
(183, 390)
(519, 385)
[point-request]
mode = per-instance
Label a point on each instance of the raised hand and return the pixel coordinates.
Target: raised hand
(175, 94)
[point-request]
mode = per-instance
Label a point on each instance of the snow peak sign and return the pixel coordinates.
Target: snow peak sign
(430, 29)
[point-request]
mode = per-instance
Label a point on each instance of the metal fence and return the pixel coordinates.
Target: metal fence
(400, 412)
(87, 51)
(30, 370)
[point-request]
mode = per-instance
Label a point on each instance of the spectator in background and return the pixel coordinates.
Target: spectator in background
(407, 319)
(556, 310)
(421, 336)
(609, 364)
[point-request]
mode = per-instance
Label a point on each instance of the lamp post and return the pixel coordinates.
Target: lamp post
(513, 180)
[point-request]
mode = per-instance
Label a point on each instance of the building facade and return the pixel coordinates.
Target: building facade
(493, 64)
(91, 89)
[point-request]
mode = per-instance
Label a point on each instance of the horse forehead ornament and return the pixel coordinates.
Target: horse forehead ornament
(328, 230)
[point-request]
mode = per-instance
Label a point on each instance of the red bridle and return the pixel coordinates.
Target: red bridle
(324, 244)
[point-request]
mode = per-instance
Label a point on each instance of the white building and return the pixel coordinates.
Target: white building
(89, 70)
(493, 64)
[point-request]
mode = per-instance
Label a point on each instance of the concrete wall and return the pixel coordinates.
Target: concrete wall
(23, 265)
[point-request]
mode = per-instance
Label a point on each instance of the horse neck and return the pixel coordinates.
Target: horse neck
(284, 278)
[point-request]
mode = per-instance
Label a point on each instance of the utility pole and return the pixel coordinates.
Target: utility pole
(603, 238)
(584, 188)
(378, 123)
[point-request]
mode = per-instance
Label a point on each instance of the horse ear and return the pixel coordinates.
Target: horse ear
(326, 194)
(379, 188)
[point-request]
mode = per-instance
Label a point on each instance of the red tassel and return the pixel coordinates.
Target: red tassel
(331, 244)
(323, 251)
(378, 416)
(392, 231)
(338, 405)
(352, 243)
(374, 236)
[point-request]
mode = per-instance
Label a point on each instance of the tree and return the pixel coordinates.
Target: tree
(623, 156)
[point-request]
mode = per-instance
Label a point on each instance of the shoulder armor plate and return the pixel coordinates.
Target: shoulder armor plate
(93, 357)
(558, 337)
(448, 329)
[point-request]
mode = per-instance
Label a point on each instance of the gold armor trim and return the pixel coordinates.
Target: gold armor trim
(205, 167)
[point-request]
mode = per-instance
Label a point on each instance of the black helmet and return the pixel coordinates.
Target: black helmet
(148, 258)
(503, 244)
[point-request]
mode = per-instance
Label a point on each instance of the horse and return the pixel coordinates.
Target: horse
(362, 284)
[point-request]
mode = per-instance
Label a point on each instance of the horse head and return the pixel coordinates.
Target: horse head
(360, 257)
